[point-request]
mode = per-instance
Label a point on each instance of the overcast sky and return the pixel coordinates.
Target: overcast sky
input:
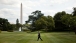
(10, 9)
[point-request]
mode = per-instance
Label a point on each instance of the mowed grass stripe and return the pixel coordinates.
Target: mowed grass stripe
(53, 39)
(33, 39)
(63, 38)
(9, 37)
(23, 39)
(45, 38)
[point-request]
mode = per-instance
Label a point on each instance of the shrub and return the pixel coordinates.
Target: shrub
(10, 30)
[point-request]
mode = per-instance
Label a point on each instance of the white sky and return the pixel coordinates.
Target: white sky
(10, 9)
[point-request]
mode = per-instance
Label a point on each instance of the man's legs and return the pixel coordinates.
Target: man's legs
(41, 39)
(38, 39)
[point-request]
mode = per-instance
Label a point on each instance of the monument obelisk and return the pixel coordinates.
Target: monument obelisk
(21, 14)
(20, 18)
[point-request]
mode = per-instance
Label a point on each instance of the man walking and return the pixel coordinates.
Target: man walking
(39, 37)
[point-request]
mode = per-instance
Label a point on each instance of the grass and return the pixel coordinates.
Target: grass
(24, 37)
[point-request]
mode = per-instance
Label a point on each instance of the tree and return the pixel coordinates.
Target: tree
(14, 26)
(51, 23)
(66, 19)
(1, 23)
(73, 23)
(32, 18)
(11, 27)
(41, 23)
(17, 24)
(74, 12)
(4, 24)
(74, 19)
(37, 14)
(45, 22)
(59, 26)
(58, 15)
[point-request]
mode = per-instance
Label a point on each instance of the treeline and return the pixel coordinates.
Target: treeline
(65, 22)
(5, 25)
(61, 21)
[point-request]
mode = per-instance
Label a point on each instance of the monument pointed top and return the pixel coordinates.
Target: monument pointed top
(21, 3)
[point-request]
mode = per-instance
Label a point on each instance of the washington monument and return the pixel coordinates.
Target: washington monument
(20, 17)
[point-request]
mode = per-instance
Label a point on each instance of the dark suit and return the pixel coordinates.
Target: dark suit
(39, 37)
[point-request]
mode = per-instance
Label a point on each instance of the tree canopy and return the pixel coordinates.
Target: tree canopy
(45, 22)
(4, 24)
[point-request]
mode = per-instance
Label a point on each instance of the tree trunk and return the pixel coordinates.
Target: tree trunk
(75, 30)
(46, 29)
(0, 31)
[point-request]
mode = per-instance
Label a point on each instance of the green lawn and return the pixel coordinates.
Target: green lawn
(23, 37)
